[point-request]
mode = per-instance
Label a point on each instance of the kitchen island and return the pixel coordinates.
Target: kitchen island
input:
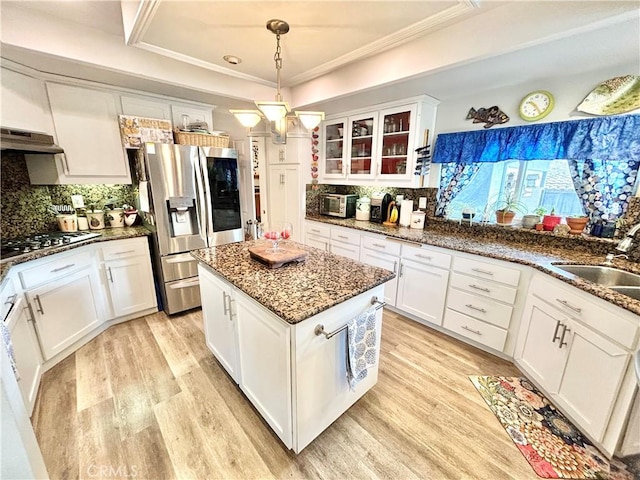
(271, 331)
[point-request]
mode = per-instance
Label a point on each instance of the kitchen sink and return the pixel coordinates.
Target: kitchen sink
(633, 292)
(605, 276)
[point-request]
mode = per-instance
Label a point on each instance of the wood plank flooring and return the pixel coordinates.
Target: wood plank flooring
(147, 400)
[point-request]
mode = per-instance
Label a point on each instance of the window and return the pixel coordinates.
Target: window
(534, 183)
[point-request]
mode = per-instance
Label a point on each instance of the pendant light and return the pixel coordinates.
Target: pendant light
(277, 111)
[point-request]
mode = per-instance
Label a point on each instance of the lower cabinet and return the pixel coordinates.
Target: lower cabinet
(317, 235)
(128, 276)
(345, 242)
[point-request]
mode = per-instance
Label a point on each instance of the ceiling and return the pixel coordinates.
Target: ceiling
(480, 43)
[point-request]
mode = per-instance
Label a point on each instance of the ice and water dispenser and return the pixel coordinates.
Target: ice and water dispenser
(182, 216)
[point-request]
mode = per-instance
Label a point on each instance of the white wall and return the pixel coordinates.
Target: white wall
(568, 92)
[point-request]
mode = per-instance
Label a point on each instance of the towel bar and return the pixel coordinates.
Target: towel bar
(319, 330)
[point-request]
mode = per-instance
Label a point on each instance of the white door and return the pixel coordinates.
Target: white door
(130, 284)
(219, 321)
(65, 310)
(422, 290)
(539, 353)
(285, 200)
(592, 377)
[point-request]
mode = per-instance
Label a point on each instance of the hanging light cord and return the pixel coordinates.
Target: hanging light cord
(278, 61)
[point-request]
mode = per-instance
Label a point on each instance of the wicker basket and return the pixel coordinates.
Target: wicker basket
(201, 139)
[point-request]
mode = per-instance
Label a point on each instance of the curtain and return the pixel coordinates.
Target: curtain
(611, 138)
(604, 187)
(453, 177)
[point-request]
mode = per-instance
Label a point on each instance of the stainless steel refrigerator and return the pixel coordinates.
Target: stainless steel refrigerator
(189, 197)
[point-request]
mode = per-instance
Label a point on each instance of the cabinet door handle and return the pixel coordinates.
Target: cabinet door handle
(479, 270)
(11, 300)
(482, 289)
(395, 266)
(30, 314)
(471, 330)
(224, 302)
(231, 314)
(401, 269)
(65, 164)
(59, 269)
(38, 304)
(555, 332)
(110, 274)
(282, 179)
(569, 306)
(564, 332)
(477, 309)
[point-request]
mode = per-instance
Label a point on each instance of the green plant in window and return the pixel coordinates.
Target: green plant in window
(540, 211)
(506, 206)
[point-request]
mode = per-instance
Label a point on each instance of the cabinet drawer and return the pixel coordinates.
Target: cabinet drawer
(608, 320)
(381, 245)
(55, 268)
(426, 256)
(485, 288)
(318, 229)
(481, 332)
(486, 270)
(481, 308)
(118, 249)
(352, 238)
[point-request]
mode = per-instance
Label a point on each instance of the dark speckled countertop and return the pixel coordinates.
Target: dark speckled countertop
(106, 235)
(295, 291)
(541, 256)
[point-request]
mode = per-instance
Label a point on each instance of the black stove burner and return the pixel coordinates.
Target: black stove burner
(11, 248)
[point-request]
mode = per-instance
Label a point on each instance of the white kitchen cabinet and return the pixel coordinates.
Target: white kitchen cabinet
(345, 242)
(192, 114)
(128, 276)
(377, 144)
(295, 151)
(18, 320)
(284, 197)
(379, 252)
(317, 235)
(86, 127)
(219, 314)
(24, 103)
(145, 107)
(264, 354)
(66, 309)
(571, 360)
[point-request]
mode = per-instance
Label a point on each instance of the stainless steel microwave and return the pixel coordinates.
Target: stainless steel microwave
(335, 205)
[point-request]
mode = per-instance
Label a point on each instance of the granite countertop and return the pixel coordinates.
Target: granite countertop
(534, 254)
(106, 235)
(295, 291)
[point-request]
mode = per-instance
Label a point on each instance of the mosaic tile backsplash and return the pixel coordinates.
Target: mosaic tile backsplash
(24, 208)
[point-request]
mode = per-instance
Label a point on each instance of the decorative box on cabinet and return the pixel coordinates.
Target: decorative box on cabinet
(574, 345)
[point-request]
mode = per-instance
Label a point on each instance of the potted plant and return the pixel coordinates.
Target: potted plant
(506, 208)
(530, 220)
(114, 214)
(551, 220)
(577, 224)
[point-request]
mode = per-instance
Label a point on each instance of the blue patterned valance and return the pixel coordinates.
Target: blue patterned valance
(611, 138)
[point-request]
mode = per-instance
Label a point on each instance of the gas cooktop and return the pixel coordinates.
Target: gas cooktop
(15, 247)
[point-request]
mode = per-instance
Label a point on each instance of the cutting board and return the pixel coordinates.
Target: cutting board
(276, 260)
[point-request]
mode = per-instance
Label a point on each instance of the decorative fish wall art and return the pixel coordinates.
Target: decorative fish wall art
(489, 116)
(613, 96)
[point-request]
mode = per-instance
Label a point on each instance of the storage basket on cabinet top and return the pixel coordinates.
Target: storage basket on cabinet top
(201, 139)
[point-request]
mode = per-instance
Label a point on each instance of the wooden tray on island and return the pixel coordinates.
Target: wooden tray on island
(276, 260)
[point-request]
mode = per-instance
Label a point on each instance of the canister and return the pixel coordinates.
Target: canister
(363, 208)
(417, 219)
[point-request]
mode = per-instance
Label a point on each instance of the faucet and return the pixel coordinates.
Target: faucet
(610, 256)
(626, 242)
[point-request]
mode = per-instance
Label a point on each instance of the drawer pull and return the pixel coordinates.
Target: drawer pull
(314, 230)
(564, 332)
(122, 253)
(343, 236)
(485, 272)
(569, 306)
(477, 309)
(471, 330)
(38, 304)
(426, 257)
(59, 269)
(379, 245)
(11, 300)
(110, 274)
(482, 289)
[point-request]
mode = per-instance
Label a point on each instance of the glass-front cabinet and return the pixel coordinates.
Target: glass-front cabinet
(378, 144)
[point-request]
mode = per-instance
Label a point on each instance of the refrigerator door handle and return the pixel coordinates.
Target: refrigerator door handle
(207, 194)
(200, 207)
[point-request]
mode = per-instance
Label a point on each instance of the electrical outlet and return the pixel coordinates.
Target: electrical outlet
(77, 201)
(422, 203)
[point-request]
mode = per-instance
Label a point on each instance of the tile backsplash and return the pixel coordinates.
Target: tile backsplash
(24, 207)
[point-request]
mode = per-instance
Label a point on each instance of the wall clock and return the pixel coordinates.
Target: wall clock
(536, 105)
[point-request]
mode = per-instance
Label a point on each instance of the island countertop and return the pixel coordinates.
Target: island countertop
(295, 291)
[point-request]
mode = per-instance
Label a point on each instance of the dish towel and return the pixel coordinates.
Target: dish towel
(361, 346)
(6, 339)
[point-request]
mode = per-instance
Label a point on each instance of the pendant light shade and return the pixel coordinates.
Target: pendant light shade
(278, 110)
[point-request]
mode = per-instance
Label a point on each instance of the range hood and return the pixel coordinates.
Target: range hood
(27, 142)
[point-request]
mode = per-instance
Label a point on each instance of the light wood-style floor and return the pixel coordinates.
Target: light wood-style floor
(147, 400)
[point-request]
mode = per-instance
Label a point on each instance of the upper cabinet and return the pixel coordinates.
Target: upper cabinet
(146, 107)
(361, 146)
(86, 127)
(24, 103)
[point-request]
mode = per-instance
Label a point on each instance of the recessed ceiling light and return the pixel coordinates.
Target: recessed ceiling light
(232, 59)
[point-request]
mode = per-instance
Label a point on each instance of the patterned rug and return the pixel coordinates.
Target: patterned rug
(548, 440)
